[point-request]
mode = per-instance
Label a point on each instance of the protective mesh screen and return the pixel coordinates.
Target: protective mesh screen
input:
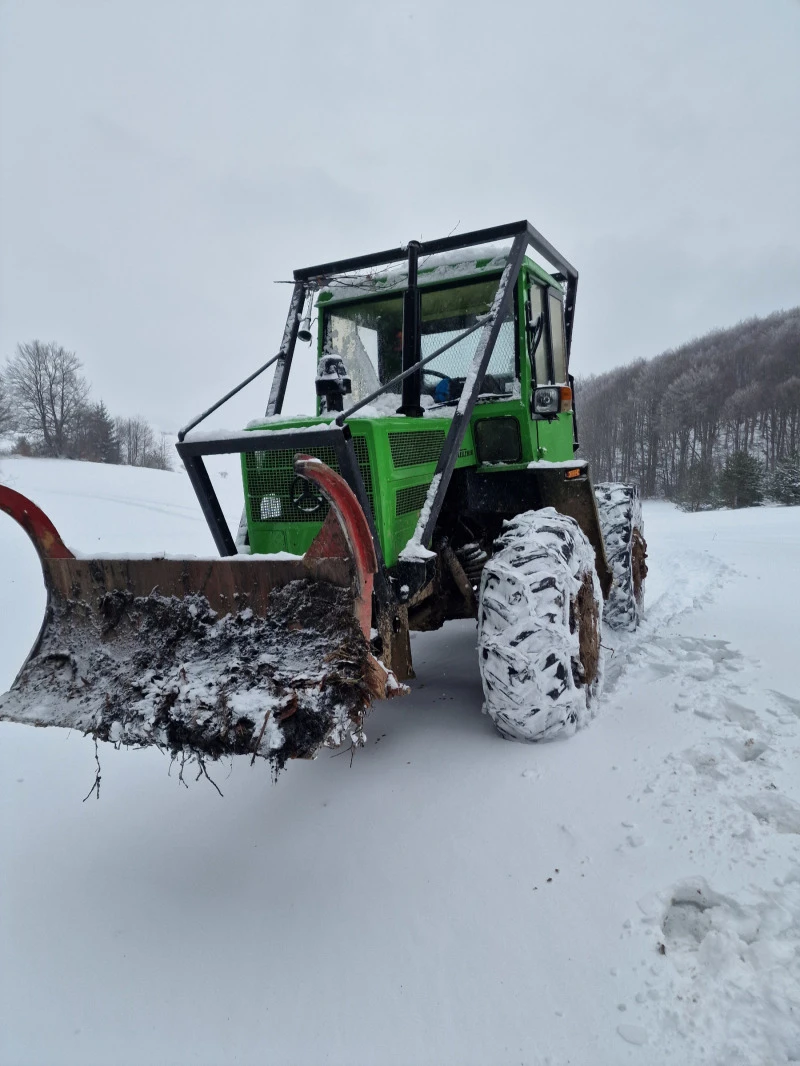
(456, 361)
(409, 449)
(271, 482)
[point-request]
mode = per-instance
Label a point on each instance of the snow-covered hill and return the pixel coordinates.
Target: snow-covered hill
(629, 895)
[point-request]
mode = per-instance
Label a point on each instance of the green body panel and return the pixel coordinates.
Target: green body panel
(397, 455)
(555, 438)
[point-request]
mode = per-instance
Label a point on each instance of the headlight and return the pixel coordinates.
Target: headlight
(546, 401)
(270, 508)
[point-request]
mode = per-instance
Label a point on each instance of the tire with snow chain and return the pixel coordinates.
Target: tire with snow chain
(620, 510)
(539, 622)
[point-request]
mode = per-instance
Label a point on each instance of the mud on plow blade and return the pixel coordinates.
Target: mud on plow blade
(207, 657)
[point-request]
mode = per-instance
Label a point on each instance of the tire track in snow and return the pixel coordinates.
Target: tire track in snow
(694, 578)
(728, 988)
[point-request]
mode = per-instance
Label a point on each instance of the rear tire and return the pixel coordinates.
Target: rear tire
(539, 627)
(620, 510)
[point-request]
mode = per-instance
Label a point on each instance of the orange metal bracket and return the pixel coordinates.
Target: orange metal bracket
(46, 538)
(352, 527)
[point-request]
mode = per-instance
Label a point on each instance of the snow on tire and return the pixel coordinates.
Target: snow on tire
(620, 510)
(539, 627)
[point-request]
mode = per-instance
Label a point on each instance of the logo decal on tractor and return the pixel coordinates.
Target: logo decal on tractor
(305, 496)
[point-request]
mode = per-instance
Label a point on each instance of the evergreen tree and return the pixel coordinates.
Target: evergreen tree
(741, 481)
(95, 436)
(786, 480)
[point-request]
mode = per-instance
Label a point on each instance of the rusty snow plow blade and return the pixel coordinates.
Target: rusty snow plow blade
(207, 657)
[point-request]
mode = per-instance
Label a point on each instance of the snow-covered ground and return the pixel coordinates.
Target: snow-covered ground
(629, 895)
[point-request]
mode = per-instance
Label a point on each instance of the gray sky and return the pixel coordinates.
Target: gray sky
(161, 164)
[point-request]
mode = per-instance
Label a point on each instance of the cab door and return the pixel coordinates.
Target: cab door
(547, 349)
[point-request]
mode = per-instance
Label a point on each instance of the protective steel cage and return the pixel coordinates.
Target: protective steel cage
(338, 436)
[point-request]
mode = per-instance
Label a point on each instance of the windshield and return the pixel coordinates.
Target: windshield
(368, 337)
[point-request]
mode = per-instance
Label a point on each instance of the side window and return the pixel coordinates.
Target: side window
(357, 346)
(558, 338)
(537, 336)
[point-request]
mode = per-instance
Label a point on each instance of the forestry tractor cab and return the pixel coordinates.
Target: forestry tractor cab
(437, 480)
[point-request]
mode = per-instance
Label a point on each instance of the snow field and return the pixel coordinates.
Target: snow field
(628, 895)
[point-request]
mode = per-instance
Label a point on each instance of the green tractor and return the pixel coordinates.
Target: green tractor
(437, 480)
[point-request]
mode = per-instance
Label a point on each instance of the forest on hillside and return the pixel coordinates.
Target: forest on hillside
(714, 422)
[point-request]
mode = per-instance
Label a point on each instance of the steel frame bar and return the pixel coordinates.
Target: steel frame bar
(280, 378)
(477, 371)
(210, 410)
(412, 338)
(283, 359)
(444, 244)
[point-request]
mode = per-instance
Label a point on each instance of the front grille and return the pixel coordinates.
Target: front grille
(419, 446)
(410, 499)
(271, 474)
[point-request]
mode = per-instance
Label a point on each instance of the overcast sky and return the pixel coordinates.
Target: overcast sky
(163, 163)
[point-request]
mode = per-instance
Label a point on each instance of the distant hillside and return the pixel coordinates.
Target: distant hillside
(673, 423)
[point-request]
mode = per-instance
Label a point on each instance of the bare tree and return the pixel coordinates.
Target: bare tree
(160, 454)
(138, 444)
(6, 410)
(48, 392)
(135, 438)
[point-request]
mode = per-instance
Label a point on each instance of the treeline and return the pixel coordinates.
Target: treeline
(46, 407)
(715, 422)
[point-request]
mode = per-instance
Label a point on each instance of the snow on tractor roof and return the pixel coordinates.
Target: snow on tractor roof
(433, 270)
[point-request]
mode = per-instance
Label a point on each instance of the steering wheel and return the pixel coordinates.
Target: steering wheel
(491, 385)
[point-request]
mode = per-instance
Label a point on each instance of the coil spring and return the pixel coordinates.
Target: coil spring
(473, 559)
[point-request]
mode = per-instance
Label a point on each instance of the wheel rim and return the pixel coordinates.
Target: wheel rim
(638, 564)
(584, 616)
